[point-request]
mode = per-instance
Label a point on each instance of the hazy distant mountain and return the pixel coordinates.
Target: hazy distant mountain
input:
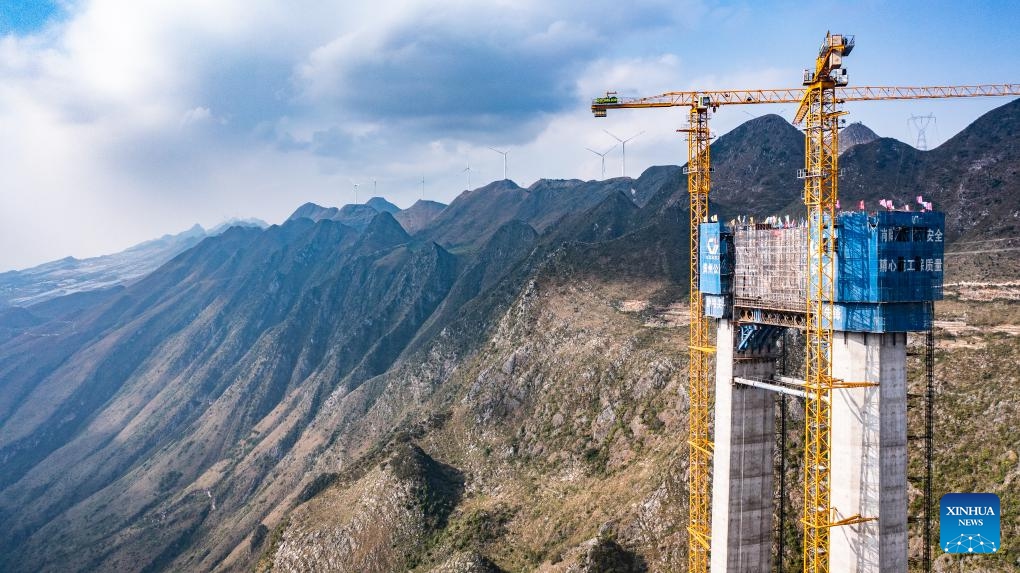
(70, 275)
(237, 222)
(356, 216)
(313, 212)
(418, 216)
(380, 204)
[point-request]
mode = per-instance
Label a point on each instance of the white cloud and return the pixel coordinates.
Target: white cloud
(632, 77)
(199, 115)
(131, 118)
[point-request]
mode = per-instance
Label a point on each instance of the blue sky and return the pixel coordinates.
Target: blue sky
(121, 120)
(26, 16)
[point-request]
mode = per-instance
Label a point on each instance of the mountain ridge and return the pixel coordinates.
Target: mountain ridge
(70, 275)
(266, 388)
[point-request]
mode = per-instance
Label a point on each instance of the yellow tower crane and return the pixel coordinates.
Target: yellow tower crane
(825, 89)
(819, 112)
(699, 527)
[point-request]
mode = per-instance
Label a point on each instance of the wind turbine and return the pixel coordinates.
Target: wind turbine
(504, 154)
(355, 193)
(623, 142)
(603, 156)
(468, 169)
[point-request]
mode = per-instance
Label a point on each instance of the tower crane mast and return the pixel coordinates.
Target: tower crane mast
(825, 88)
(819, 111)
(698, 172)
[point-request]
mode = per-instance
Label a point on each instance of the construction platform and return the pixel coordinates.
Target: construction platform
(888, 264)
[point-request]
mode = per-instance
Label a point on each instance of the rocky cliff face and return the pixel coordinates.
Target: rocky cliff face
(120, 418)
(562, 427)
(855, 134)
(379, 523)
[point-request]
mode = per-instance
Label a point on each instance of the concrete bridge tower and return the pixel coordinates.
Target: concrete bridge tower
(889, 268)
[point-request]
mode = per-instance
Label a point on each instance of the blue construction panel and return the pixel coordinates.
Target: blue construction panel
(890, 256)
(715, 256)
(718, 306)
(891, 317)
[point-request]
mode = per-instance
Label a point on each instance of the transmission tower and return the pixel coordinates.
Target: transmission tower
(921, 124)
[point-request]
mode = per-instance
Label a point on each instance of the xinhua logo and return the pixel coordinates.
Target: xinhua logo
(969, 523)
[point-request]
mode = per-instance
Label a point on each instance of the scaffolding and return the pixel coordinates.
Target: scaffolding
(770, 263)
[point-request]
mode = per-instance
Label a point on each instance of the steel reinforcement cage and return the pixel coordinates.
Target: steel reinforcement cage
(770, 266)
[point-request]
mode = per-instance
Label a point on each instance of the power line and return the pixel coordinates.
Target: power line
(921, 124)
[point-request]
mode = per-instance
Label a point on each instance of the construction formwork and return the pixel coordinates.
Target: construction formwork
(888, 264)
